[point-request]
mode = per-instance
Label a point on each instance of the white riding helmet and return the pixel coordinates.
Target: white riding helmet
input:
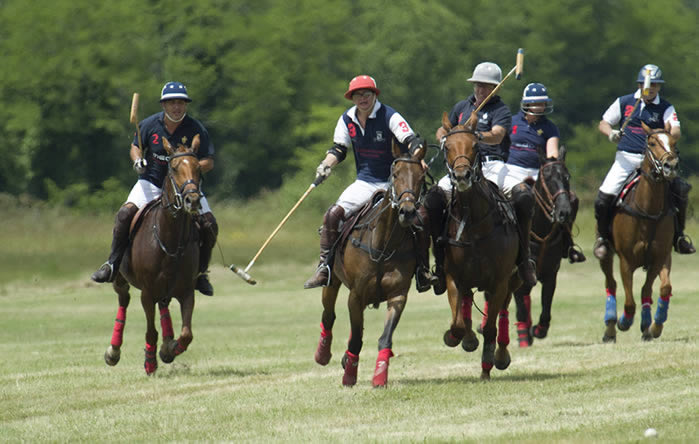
(486, 72)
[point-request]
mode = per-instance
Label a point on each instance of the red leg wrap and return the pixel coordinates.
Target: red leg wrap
(528, 303)
(666, 298)
(118, 331)
(166, 323)
(381, 371)
(504, 328)
(466, 305)
(151, 363)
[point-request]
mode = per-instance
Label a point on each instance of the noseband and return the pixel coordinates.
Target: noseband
(473, 167)
(547, 202)
(398, 200)
(657, 172)
(180, 192)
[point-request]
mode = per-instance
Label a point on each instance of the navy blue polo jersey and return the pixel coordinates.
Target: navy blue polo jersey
(495, 112)
(526, 139)
(152, 133)
(372, 147)
(652, 114)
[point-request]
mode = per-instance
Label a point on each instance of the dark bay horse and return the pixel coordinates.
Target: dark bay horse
(642, 232)
(163, 260)
(376, 262)
(550, 241)
(482, 245)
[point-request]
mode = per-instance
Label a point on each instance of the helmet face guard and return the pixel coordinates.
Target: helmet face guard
(534, 94)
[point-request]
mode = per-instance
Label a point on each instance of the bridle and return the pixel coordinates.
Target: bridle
(657, 165)
(547, 201)
(470, 166)
(406, 195)
(179, 191)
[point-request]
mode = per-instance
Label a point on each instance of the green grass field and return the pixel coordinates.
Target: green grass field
(249, 375)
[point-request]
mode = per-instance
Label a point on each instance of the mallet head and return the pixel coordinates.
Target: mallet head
(520, 63)
(134, 109)
(243, 274)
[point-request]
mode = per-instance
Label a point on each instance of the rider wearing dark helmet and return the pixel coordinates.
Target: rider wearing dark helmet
(655, 112)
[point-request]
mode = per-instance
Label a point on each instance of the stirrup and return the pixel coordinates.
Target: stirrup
(683, 245)
(575, 251)
(321, 277)
(99, 275)
(601, 248)
(424, 279)
(204, 286)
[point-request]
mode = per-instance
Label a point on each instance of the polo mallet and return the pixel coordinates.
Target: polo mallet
(134, 120)
(644, 93)
(243, 273)
(517, 69)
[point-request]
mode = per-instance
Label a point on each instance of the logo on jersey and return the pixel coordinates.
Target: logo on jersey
(379, 136)
(655, 117)
(540, 131)
(184, 141)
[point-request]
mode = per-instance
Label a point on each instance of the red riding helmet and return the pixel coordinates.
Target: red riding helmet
(361, 82)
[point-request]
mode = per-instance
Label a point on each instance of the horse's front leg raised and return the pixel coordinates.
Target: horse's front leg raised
(457, 330)
(113, 353)
(178, 346)
(607, 266)
(151, 361)
(323, 351)
(470, 341)
(626, 318)
(350, 361)
(395, 306)
(656, 327)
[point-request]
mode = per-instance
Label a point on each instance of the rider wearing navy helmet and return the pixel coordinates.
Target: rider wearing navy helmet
(655, 112)
(492, 128)
(532, 131)
(174, 124)
(368, 128)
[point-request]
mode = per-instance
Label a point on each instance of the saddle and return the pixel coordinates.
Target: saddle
(349, 225)
(140, 215)
(623, 199)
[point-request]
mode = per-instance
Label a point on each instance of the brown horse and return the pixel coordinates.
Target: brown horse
(642, 232)
(163, 260)
(481, 249)
(550, 241)
(376, 262)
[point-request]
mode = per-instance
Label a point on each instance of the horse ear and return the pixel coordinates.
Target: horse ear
(646, 128)
(195, 143)
(446, 124)
(471, 122)
(562, 153)
(167, 146)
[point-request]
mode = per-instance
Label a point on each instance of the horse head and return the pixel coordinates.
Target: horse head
(407, 178)
(461, 152)
(553, 191)
(183, 175)
(661, 159)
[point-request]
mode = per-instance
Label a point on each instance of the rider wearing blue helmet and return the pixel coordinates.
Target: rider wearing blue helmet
(531, 131)
(174, 124)
(631, 144)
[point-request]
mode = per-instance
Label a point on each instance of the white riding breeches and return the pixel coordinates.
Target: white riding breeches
(494, 170)
(516, 175)
(624, 164)
(144, 192)
(357, 194)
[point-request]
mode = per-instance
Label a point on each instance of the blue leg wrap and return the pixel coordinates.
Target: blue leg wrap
(661, 311)
(624, 322)
(610, 309)
(645, 317)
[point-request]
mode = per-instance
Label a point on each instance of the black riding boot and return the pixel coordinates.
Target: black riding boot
(208, 232)
(603, 214)
(423, 277)
(570, 250)
(120, 242)
(435, 206)
(523, 201)
(328, 236)
(680, 196)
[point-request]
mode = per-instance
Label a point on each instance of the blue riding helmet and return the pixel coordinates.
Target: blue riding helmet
(536, 93)
(656, 75)
(174, 90)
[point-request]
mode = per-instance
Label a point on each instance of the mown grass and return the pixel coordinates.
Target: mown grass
(249, 375)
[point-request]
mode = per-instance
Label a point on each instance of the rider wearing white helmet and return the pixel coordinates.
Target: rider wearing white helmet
(174, 124)
(655, 112)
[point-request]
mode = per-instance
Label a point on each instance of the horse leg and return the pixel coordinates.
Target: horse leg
(179, 346)
(151, 362)
(626, 319)
(323, 351)
(490, 329)
(113, 353)
(548, 287)
(470, 340)
(523, 303)
(167, 333)
(656, 327)
(350, 361)
(607, 266)
(395, 308)
(456, 332)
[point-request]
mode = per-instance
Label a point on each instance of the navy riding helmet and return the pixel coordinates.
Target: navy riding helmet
(174, 90)
(656, 75)
(536, 93)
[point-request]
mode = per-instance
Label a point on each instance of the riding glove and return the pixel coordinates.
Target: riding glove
(615, 136)
(139, 165)
(323, 170)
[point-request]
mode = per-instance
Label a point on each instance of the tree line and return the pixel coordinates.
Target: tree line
(267, 77)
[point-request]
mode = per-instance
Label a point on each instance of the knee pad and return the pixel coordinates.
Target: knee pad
(603, 202)
(523, 197)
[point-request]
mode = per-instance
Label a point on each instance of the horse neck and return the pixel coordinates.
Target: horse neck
(386, 225)
(172, 223)
(650, 195)
(475, 202)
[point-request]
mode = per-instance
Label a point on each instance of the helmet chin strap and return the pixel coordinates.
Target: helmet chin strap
(173, 120)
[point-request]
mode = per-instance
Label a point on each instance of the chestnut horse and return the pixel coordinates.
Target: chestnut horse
(163, 260)
(642, 232)
(481, 249)
(376, 262)
(554, 215)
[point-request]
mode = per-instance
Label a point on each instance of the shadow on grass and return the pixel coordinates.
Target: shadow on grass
(182, 369)
(495, 376)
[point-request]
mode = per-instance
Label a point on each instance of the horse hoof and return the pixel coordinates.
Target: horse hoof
(485, 375)
(470, 342)
(112, 355)
(350, 363)
(165, 357)
(646, 335)
(624, 323)
(323, 354)
(450, 340)
(539, 331)
(656, 329)
(607, 339)
(502, 359)
(150, 367)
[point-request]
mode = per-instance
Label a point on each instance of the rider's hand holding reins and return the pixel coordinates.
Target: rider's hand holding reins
(614, 136)
(139, 165)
